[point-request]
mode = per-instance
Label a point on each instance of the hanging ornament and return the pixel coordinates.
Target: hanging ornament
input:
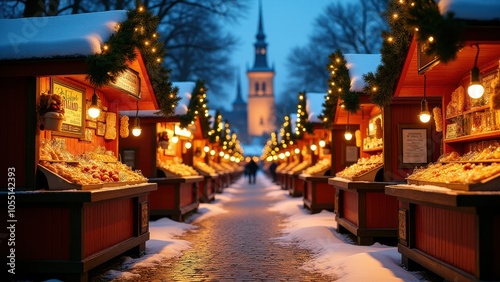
(438, 118)
(124, 132)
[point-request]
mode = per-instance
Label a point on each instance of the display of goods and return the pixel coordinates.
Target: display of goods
(488, 154)
(462, 173)
(228, 167)
(288, 166)
(281, 166)
(52, 150)
(110, 132)
(438, 119)
(372, 142)
(99, 154)
(300, 167)
(363, 166)
(124, 132)
(204, 168)
(319, 168)
(93, 172)
(218, 167)
(177, 168)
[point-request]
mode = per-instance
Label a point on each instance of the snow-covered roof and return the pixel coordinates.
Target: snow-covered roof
(314, 105)
(359, 65)
(61, 36)
(482, 10)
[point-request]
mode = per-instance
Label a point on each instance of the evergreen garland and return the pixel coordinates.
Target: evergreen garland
(215, 133)
(439, 34)
(303, 124)
(197, 108)
(395, 46)
(339, 85)
(137, 32)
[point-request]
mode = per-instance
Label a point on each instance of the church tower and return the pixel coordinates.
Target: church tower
(260, 109)
(239, 114)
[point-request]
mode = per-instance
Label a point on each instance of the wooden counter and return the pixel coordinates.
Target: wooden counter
(207, 188)
(363, 209)
(318, 194)
(64, 234)
(452, 233)
(295, 184)
(175, 197)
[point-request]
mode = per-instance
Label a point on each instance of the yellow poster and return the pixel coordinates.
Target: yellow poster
(73, 107)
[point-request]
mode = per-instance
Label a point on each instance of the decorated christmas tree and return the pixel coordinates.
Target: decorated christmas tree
(138, 32)
(303, 125)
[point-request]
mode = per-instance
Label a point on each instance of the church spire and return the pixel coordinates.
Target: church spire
(260, 45)
(239, 98)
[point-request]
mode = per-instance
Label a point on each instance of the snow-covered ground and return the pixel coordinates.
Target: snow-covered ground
(334, 254)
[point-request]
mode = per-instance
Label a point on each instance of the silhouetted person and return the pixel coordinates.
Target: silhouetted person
(251, 167)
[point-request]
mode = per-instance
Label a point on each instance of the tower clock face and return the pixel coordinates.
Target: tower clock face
(261, 51)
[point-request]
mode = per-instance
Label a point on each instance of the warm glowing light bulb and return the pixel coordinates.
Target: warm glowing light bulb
(348, 135)
(313, 147)
(475, 91)
(175, 139)
(212, 153)
(287, 154)
(425, 116)
(94, 111)
(297, 150)
(221, 154)
(322, 143)
(188, 145)
(136, 131)
(206, 149)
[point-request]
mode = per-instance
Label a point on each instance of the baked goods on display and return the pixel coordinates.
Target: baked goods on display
(228, 167)
(52, 150)
(218, 167)
(489, 153)
(363, 166)
(110, 131)
(124, 132)
(372, 142)
(288, 166)
(93, 172)
(319, 168)
(300, 167)
(176, 168)
(438, 119)
(65, 171)
(99, 154)
(461, 173)
(204, 168)
(280, 167)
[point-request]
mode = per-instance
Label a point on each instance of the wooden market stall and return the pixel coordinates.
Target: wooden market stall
(448, 214)
(170, 166)
(361, 206)
(316, 192)
(76, 206)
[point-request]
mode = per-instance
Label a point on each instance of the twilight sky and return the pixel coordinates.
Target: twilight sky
(287, 23)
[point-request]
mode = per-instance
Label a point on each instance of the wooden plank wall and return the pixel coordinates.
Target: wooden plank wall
(107, 224)
(15, 111)
(447, 235)
(350, 206)
(52, 229)
(381, 211)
